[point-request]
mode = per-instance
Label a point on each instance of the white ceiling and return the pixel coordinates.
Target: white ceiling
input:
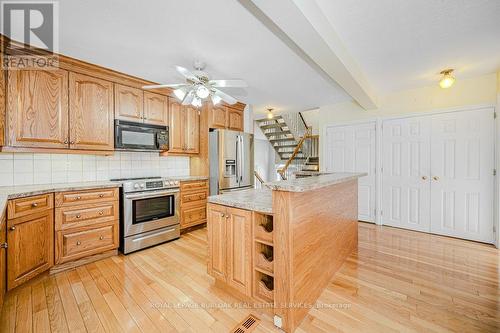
(147, 38)
(402, 44)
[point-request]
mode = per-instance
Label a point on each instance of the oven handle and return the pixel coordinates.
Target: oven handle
(146, 195)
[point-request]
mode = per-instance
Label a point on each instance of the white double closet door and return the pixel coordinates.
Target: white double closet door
(438, 174)
(352, 148)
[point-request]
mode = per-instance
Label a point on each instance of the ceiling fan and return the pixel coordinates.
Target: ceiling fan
(199, 86)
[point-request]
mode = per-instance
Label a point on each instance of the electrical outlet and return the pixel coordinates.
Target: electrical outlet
(278, 322)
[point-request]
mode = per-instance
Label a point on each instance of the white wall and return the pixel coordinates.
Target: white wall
(28, 169)
(465, 92)
(312, 119)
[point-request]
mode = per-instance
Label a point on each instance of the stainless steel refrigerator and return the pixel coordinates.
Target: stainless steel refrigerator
(231, 161)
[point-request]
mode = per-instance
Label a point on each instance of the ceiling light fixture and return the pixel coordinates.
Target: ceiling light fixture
(180, 93)
(202, 92)
(196, 102)
(270, 113)
(215, 99)
(447, 80)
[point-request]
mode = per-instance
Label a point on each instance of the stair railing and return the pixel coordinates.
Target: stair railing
(296, 124)
(305, 149)
(259, 178)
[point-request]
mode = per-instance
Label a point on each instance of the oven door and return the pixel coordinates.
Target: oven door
(131, 136)
(146, 211)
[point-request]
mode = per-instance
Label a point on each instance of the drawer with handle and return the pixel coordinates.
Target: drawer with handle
(29, 205)
(76, 216)
(81, 197)
(74, 244)
(194, 185)
(193, 216)
(193, 196)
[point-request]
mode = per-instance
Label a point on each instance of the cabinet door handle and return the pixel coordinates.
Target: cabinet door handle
(66, 141)
(223, 215)
(435, 178)
(34, 205)
(101, 195)
(78, 197)
(78, 216)
(3, 246)
(72, 142)
(78, 243)
(101, 237)
(424, 177)
(12, 228)
(100, 213)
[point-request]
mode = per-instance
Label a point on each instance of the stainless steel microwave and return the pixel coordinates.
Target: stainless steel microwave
(140, 137)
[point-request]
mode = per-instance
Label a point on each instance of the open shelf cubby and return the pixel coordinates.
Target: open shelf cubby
(264, 286)
(264, 257)
(264, 227)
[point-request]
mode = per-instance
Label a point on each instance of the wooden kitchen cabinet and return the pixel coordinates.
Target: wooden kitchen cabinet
(37, 109)
(155, 109)
(31, 247)
(91, 113)
(129, 103)
(230, 246)
(184, 129)
(3, 258)
(234, 119)
(225, 117)
(217, 243)
(218, 117)
(193, 203)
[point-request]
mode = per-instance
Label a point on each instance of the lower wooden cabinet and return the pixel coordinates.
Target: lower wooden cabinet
(3, 258)
(30, 242)
(81, 242)
(230, 246)
(193, 201)
(86, 223)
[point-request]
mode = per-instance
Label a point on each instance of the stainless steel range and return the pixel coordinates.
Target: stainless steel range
(150, 212)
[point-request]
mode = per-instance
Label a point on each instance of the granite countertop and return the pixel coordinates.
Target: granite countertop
(259, 200)
(313, 182)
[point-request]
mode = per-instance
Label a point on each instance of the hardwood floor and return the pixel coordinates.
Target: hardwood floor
(398, 280)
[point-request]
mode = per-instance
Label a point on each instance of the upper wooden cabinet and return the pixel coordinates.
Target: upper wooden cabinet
(37, 109)
(133, 104)
(218, 117)
(129, 103)
(91, 113)
(155, 109)
(234, 119)
(184, 128)
(222, 116)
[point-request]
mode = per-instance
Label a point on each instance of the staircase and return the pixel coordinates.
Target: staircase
(288, 133)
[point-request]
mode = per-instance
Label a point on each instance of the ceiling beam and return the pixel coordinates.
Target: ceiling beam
(302, 26)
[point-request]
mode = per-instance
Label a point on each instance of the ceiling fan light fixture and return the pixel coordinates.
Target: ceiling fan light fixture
(202, 92)
(196, 102)
(180, 93)
(215, 99)
(447, 80)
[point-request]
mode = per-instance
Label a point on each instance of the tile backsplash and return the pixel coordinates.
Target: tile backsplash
(28, 169)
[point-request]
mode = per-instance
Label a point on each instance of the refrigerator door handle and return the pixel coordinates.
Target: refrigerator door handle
(242, 158)
(237, 166)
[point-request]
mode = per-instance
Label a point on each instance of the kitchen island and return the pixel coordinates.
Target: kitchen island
(283, 244)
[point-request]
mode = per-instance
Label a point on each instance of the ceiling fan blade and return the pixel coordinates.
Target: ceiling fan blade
(188, 98)
(187, 74)
(225, 97)
(173, 85)
(228, 83)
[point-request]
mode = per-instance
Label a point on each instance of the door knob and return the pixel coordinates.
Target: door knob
(424, 177)
(435, 178)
